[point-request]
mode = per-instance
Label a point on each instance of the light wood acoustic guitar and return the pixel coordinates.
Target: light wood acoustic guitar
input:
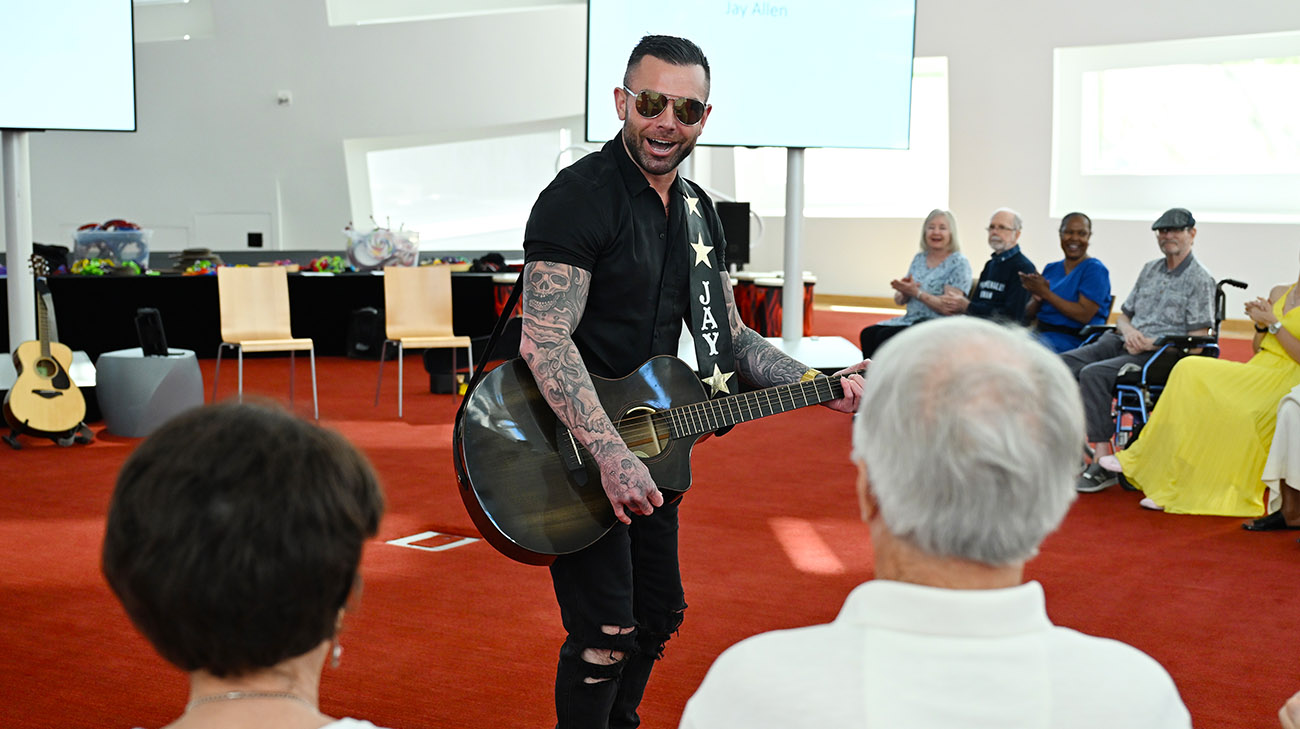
(44, 401)
(534, 492)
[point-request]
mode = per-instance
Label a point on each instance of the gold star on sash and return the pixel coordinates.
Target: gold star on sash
(719, 381)
(701, 251)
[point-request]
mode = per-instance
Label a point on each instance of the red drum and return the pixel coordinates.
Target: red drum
(502, 285)
(742, 289)
(809, 281)
(767, 306)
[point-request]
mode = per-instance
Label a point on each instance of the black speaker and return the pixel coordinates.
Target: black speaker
(443, 365)
(734, 217)
(149, 327)
(366, 335)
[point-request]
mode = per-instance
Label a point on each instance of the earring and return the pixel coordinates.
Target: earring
(336, 650)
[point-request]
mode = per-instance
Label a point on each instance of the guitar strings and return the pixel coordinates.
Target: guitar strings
(635, 430)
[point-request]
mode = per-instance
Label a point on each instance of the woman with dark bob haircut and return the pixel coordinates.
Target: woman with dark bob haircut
(233, 541)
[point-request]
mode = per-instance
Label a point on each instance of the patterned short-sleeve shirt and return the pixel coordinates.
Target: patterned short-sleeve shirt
(1165, 302)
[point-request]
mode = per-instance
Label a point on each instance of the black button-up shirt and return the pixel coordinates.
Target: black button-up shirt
(601, 215)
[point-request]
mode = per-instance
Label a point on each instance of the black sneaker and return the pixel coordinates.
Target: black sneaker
(1095, 478)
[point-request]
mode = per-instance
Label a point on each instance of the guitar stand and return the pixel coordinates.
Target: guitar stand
(81, 435)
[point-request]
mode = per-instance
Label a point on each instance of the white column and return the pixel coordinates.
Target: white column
(792, 291)
(18, 236)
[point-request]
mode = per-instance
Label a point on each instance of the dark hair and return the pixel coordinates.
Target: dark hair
(234, 536)
(670, 49)
(1075, 215)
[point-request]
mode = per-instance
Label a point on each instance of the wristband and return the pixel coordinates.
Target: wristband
(810, 374)
(1261, 329)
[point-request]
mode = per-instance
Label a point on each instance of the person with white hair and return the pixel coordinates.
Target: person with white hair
(938, 269)
(999, 293)
(966, 442)
(1205, 447)
(1173, 295)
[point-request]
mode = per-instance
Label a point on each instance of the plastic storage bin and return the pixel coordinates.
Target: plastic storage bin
(118, 246)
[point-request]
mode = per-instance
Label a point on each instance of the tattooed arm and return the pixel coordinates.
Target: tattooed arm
(760, 363)
(555, 296)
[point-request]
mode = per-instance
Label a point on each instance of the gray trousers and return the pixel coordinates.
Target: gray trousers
(1095, 366)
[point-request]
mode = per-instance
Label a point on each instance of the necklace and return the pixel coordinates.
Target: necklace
(236, 695)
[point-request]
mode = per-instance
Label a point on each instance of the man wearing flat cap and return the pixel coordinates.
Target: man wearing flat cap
(1174, 295)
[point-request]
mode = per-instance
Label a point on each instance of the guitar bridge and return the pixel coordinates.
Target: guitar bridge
(570, 452)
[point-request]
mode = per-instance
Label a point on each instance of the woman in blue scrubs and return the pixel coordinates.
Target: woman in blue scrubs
(1070, 293)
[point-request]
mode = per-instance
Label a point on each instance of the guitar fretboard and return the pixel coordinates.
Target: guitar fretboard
(42, 321)
(710, 415)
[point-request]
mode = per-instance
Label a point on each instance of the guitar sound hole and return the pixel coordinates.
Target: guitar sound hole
(644, 436)
(46, 368)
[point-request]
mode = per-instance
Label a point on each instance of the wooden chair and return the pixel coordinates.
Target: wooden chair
(417, 315)
(255, 318)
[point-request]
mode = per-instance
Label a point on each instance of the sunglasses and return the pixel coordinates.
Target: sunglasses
(651, 104)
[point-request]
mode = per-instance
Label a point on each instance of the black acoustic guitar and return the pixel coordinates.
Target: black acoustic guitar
(43, 401)
(534, 492)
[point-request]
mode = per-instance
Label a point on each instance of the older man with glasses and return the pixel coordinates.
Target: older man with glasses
(1174, 295)
(999, 293)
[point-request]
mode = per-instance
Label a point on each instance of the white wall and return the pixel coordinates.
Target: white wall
(212, 140)
(1000, 107)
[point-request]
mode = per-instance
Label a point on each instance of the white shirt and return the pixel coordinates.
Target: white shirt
(901, 656)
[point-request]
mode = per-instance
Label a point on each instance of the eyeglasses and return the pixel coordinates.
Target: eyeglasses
(1165, 231)
(651, 104)
(999, 229)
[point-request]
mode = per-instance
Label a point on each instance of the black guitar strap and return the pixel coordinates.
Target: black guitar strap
(716, 365)
(495, 336)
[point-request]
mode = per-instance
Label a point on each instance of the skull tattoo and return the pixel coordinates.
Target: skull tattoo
(547, 288)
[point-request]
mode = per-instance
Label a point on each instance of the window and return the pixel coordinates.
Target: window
(461, 194)
(1205, 123)
(864, 183)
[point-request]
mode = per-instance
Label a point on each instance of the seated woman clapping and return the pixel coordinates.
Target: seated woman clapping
(1204, 449)
(1282, 469)
(938, 275)
(1070, 293)
(233, 541)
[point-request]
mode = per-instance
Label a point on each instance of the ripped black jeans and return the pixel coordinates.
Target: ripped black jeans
(628, 579)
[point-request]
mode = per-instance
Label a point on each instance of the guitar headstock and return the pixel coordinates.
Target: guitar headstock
(40, 266)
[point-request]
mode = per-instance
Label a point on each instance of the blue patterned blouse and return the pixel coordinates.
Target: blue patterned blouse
(952, 271)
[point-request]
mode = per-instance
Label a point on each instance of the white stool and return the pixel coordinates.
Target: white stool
(139, 393)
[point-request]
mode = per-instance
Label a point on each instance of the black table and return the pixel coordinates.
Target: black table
(96, 314)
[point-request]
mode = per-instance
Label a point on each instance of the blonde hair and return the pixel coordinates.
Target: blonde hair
(953, 247)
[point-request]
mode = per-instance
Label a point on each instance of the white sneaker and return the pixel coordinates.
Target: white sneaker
(1147, 503)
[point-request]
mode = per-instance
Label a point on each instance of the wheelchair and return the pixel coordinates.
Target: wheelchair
(1138, 387)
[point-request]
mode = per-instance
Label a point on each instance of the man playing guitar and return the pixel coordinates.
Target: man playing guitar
(619, 250)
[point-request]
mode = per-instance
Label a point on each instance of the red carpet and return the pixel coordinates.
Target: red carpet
(466, 638)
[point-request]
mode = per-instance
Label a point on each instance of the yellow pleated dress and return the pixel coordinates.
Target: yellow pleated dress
(1204, 449)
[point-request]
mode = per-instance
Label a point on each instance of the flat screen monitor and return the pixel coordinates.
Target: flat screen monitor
(68, 64)
(789, 73)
